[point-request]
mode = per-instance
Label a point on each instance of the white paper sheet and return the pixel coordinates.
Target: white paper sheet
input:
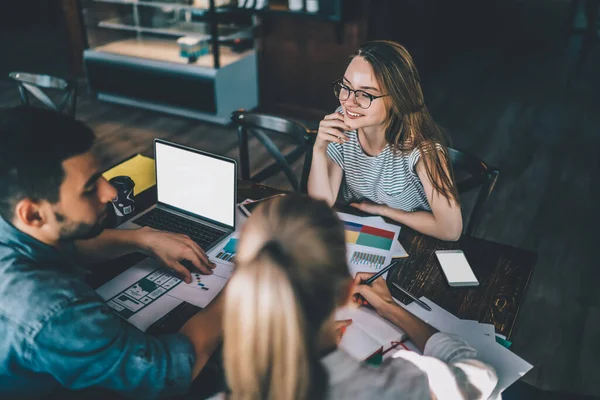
(358, 343)
(127, 278)
(369, 258)
(145, 306)
(201, 291)
(378, 328)
(155, 311)
(398, 250)
(509, 367)
(486, 330)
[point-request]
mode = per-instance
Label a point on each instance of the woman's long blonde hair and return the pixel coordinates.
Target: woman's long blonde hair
(286, 287)
(409, 124)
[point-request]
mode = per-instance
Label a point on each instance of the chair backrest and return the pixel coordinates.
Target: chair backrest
(34, 85)
(481, 176)
(259, 125)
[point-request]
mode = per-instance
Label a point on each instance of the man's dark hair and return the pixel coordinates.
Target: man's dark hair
(33, 144)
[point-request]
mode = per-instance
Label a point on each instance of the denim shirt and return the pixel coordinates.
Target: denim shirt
(56, 331)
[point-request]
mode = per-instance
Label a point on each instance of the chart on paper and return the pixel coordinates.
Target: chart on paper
(143, 292)
(368, 236)
(202, 289)
(368, 261)
(227, 252)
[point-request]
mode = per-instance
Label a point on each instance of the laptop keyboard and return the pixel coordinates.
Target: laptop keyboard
(204, 235)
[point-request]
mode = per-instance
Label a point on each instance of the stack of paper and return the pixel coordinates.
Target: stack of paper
(509, 367)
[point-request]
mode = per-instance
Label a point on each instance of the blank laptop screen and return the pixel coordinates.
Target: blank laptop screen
(196, 183)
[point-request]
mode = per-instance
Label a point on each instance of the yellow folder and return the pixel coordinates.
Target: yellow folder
(139, 168)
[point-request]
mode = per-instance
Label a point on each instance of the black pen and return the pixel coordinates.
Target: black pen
(406, 292)
(377, 275)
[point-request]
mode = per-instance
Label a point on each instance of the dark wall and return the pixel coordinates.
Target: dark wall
(301, 56)
(33, 37)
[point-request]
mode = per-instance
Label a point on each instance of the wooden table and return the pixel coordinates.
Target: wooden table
(503, 271)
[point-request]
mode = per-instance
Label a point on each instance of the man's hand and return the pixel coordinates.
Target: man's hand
(369, 207)
(174, 251)
(377, 294)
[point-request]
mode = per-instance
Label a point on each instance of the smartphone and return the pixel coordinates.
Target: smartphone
(248, 208)
(456, 268)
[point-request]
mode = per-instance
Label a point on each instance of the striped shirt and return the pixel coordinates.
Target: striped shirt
(388, 178)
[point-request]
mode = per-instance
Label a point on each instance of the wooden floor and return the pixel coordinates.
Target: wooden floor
(530, 109)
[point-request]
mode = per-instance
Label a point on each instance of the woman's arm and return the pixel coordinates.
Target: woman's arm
(456, 373)
(378, 296)
(443, 222)
(325, 175)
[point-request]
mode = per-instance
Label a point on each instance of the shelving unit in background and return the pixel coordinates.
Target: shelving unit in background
(133, 57)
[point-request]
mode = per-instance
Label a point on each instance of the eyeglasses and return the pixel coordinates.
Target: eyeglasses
(362, 98)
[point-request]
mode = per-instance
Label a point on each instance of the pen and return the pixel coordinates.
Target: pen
(377, 275)
(406, 292)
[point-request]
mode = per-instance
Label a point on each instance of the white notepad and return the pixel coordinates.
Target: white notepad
(368, 333)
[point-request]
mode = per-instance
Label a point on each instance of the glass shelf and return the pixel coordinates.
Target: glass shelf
(175, 28)
(275, 7)
(174, 5)
(167, 51)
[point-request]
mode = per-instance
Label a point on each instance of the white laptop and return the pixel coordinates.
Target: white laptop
(196, 194)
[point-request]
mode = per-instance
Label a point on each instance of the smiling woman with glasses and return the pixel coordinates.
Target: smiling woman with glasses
(382, 147)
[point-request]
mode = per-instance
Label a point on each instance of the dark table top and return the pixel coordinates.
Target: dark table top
(503, 271)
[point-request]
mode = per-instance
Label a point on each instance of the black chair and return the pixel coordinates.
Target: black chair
(259, 125)
(34, 85)
(481, 176)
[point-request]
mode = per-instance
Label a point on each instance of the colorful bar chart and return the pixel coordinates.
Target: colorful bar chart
(367, 260)
(199, 282)
(228, 251)
(369, 236)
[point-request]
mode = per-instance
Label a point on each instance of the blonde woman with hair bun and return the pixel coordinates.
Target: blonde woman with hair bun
(280, 335)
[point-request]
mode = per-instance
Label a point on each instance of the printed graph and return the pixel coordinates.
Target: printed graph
(143, 292)
(367, 260)
(228, 251)
(369, 236)
(199, 282)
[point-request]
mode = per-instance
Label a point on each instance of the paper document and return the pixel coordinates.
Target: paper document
(147, 291)
(202, 290)
(398, 250)
(359, 344)
(509, 367)
(369, 243)
(140, 295)
(368, 332)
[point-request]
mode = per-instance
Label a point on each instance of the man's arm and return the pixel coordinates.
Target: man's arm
(168, 248)
(110, 244)
(86, 344)
(205, 331)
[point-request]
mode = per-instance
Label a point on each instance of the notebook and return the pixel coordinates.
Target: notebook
(369, 334)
